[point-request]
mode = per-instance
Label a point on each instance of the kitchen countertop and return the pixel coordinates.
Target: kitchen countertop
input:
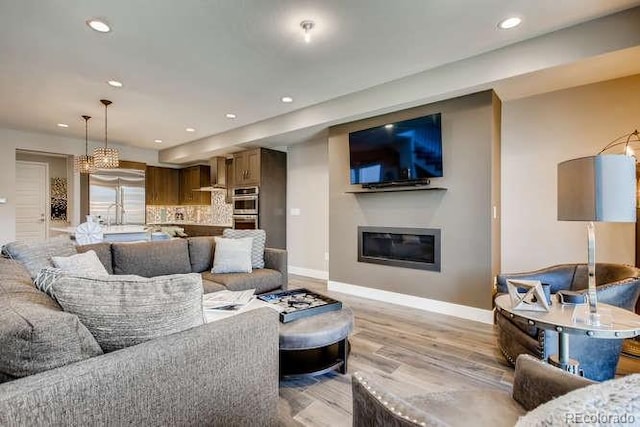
(114, 229)
(179, 223)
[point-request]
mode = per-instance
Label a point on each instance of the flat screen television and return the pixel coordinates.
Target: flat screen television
(405, 152)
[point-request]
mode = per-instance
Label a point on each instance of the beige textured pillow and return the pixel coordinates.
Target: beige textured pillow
(86, 263)
(121, 311)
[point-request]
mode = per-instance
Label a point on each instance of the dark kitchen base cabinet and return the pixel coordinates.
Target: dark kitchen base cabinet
(266, 169)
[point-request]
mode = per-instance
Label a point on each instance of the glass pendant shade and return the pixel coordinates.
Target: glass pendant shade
(85, 164)
(105, 157)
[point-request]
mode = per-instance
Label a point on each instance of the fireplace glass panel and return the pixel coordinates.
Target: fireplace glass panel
(402, 247)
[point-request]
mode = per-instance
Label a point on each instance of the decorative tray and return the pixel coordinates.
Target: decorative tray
(299, 303)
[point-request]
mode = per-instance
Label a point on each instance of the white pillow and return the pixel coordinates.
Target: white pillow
(232, 255)
(86, 263)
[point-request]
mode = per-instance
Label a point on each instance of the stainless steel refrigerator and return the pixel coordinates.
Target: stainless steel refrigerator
(118, 195)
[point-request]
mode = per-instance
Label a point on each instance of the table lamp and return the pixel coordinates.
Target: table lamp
(597, 188)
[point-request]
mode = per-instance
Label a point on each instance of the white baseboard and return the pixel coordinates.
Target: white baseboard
(309, 272)
(451, 309)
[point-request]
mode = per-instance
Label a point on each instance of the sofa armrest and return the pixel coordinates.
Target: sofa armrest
(276, 259)
(221, 373)
(537, 382)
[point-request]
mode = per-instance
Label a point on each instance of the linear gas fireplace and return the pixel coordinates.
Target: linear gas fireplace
(417, 248)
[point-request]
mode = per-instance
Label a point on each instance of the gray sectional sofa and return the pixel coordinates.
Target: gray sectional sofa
(53, 372)
(192, 255)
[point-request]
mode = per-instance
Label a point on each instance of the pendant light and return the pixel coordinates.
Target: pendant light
(84, 164)
(105, 157)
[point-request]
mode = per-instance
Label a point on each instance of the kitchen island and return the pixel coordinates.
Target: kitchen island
(115, 233)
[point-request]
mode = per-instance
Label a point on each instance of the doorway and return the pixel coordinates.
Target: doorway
(32, 200)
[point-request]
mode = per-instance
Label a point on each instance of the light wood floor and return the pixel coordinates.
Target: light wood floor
(412, 351)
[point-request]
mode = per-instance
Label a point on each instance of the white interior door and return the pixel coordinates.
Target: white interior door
(32, 200)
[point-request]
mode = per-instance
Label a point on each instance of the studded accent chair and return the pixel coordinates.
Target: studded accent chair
(617, 285)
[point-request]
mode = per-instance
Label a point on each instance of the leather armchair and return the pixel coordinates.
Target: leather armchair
(617, 285)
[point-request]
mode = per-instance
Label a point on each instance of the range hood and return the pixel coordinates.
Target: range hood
(218, 175)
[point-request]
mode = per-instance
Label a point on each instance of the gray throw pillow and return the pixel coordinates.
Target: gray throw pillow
(121, 311)
(36, 254)
(232, 255)
(258, 245)
(45, 279)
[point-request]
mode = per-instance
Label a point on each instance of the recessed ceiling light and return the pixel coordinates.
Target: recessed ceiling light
(63, 125)
(509, 23)
(114, 83)
(190, 129)
(307, 26)
(99, 25)
(230, 116)
(287, 99)
(158, 141)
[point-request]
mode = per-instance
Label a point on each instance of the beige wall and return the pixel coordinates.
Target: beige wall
(11, 140)
(463, 212)
(539, 132)
(308, 192)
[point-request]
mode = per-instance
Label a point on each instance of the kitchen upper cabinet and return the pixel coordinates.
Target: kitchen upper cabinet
(162, 186)
(246, 165)
(191, 179)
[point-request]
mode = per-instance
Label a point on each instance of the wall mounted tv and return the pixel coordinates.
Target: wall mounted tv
(403, 153)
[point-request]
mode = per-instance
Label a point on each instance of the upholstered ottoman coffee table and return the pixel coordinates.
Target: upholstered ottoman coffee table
(315, 345)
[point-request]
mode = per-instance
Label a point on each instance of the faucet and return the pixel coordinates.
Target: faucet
(116, 204)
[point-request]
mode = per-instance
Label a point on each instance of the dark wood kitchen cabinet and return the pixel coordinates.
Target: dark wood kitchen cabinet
(266, 169)
(191, 179)
(246, 165)
(162, 186)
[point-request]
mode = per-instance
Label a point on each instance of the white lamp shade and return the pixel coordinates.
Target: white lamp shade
(597, 188)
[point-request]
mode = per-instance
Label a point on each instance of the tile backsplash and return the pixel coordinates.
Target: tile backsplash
(218, 213)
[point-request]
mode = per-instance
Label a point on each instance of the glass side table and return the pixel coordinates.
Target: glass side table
(569, 319)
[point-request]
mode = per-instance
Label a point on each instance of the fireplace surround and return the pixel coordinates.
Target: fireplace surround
(417, 248)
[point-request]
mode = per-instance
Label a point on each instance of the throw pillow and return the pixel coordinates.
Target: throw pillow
(232, 255)
(36, 254)
(121, 311)
(86, 263)
(258, 246)
(46, 278)
(610, 402)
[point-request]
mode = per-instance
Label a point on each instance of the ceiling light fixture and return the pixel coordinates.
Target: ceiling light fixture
(158, 141)
(105, 157)
(85, 164)
(287, 99)
(307, 26)
(190, 129)
(114, 83)
(98, 25)
(63, 125)
(230, 116)
(507, 24)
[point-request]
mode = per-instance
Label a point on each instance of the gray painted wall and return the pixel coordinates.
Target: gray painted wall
(470, 237)
(308, 191)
